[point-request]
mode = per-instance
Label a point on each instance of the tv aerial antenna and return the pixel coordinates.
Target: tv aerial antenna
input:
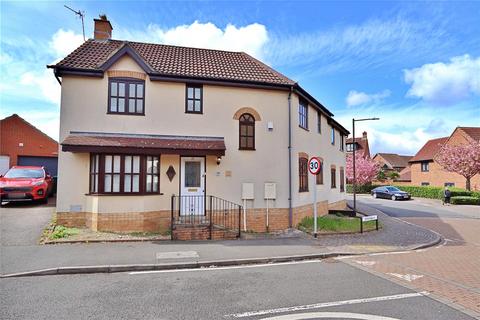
(81, 15)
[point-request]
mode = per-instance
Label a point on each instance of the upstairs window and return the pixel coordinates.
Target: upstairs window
(425, 166)
(194, 99)
(319, 122)
(350, 147)
(303, 114)
(247, 132)
(342, 142)
(332, 138)
(303, 174)
(126, 96)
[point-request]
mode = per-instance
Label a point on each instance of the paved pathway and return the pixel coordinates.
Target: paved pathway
(450, 271)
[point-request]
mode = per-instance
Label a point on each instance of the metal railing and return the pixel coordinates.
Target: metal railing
(208, 211)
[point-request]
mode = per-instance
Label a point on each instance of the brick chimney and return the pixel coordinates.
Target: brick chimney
(102, 29)
(364, 135)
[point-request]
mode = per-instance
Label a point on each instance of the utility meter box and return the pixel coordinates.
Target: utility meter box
(270, 190)
(247, 191)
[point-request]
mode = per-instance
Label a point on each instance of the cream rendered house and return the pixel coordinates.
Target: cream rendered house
(149, 132)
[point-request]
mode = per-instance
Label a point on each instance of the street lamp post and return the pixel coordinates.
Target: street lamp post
(354, 172)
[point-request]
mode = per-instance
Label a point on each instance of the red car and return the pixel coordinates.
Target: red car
(26, 183)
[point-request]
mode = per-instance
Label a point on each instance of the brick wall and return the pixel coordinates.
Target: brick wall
(15, 131)
(159, 221)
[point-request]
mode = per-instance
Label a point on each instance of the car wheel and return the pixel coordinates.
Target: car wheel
(43, 200)
(375, 195)
(394, 198)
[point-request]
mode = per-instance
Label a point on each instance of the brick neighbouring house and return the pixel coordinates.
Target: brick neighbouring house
(23, 144)
(392, 162)
(151, 131)
(361, 145)
(426, 171)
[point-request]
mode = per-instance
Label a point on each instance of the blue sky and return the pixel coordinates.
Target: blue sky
(416, 64)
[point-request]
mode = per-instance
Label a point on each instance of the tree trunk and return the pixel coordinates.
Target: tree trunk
(468, 184)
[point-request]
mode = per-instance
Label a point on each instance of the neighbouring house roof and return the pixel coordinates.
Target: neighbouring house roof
(362, 144)
(405, 175)
(395, 160)
(174, 63)
(472, 132)
(143, 143)
(428, 151)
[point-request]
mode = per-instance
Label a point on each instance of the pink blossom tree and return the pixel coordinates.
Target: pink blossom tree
(463, 159)
(366, 169)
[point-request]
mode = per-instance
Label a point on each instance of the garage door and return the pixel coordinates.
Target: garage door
(50, 163)
(4, 164)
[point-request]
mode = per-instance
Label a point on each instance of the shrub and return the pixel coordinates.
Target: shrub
(366, 188)
(423, 191)
(63, 232)
(465, 200)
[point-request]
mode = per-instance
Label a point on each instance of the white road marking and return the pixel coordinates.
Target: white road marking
(409, 277)
(213, 268)
(328, 304)
(366, 263)
(330, 315)
(177, 255)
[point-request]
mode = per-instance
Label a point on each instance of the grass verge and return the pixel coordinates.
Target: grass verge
(336, 223)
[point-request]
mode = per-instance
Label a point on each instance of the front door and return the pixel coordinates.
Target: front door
(192, 186)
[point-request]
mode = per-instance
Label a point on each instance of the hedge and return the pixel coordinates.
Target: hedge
(420, 191)
(465, 200)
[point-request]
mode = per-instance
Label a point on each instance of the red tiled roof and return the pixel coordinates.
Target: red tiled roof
(428, 151)
(395, 160)
(167, 60)
(95, 142)
(473, 132)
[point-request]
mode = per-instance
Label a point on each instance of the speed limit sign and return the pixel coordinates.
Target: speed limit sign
(314, 165)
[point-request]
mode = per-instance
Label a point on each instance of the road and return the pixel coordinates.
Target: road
(450, 271)
(230, 293)
(432, 283)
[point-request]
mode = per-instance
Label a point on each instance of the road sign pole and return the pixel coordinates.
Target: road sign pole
(314, 188)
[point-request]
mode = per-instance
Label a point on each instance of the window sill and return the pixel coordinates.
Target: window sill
(302, 191)
(246, 149)
(194, 112)
(306, 129)
(128, 194)
(125, 114)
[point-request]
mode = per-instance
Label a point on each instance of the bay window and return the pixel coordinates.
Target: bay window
(124, 174)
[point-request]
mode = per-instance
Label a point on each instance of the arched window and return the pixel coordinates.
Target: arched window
(247, 132)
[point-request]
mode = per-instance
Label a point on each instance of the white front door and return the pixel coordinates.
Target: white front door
(192, 186)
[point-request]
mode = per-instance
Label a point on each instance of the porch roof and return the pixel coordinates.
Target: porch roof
(143, 143)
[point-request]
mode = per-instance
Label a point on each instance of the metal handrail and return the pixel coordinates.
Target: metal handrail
(208, 210)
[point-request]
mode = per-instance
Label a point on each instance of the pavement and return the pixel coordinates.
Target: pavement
(20, 252)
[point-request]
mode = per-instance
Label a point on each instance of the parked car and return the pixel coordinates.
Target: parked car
(390, 192)
(26, 183)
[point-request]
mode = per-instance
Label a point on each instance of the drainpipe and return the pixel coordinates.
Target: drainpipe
(290, 210)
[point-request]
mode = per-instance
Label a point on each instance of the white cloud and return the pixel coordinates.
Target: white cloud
(445, 83)
(64, 42)
(250, 38)
(367, 45)
(355, 98)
